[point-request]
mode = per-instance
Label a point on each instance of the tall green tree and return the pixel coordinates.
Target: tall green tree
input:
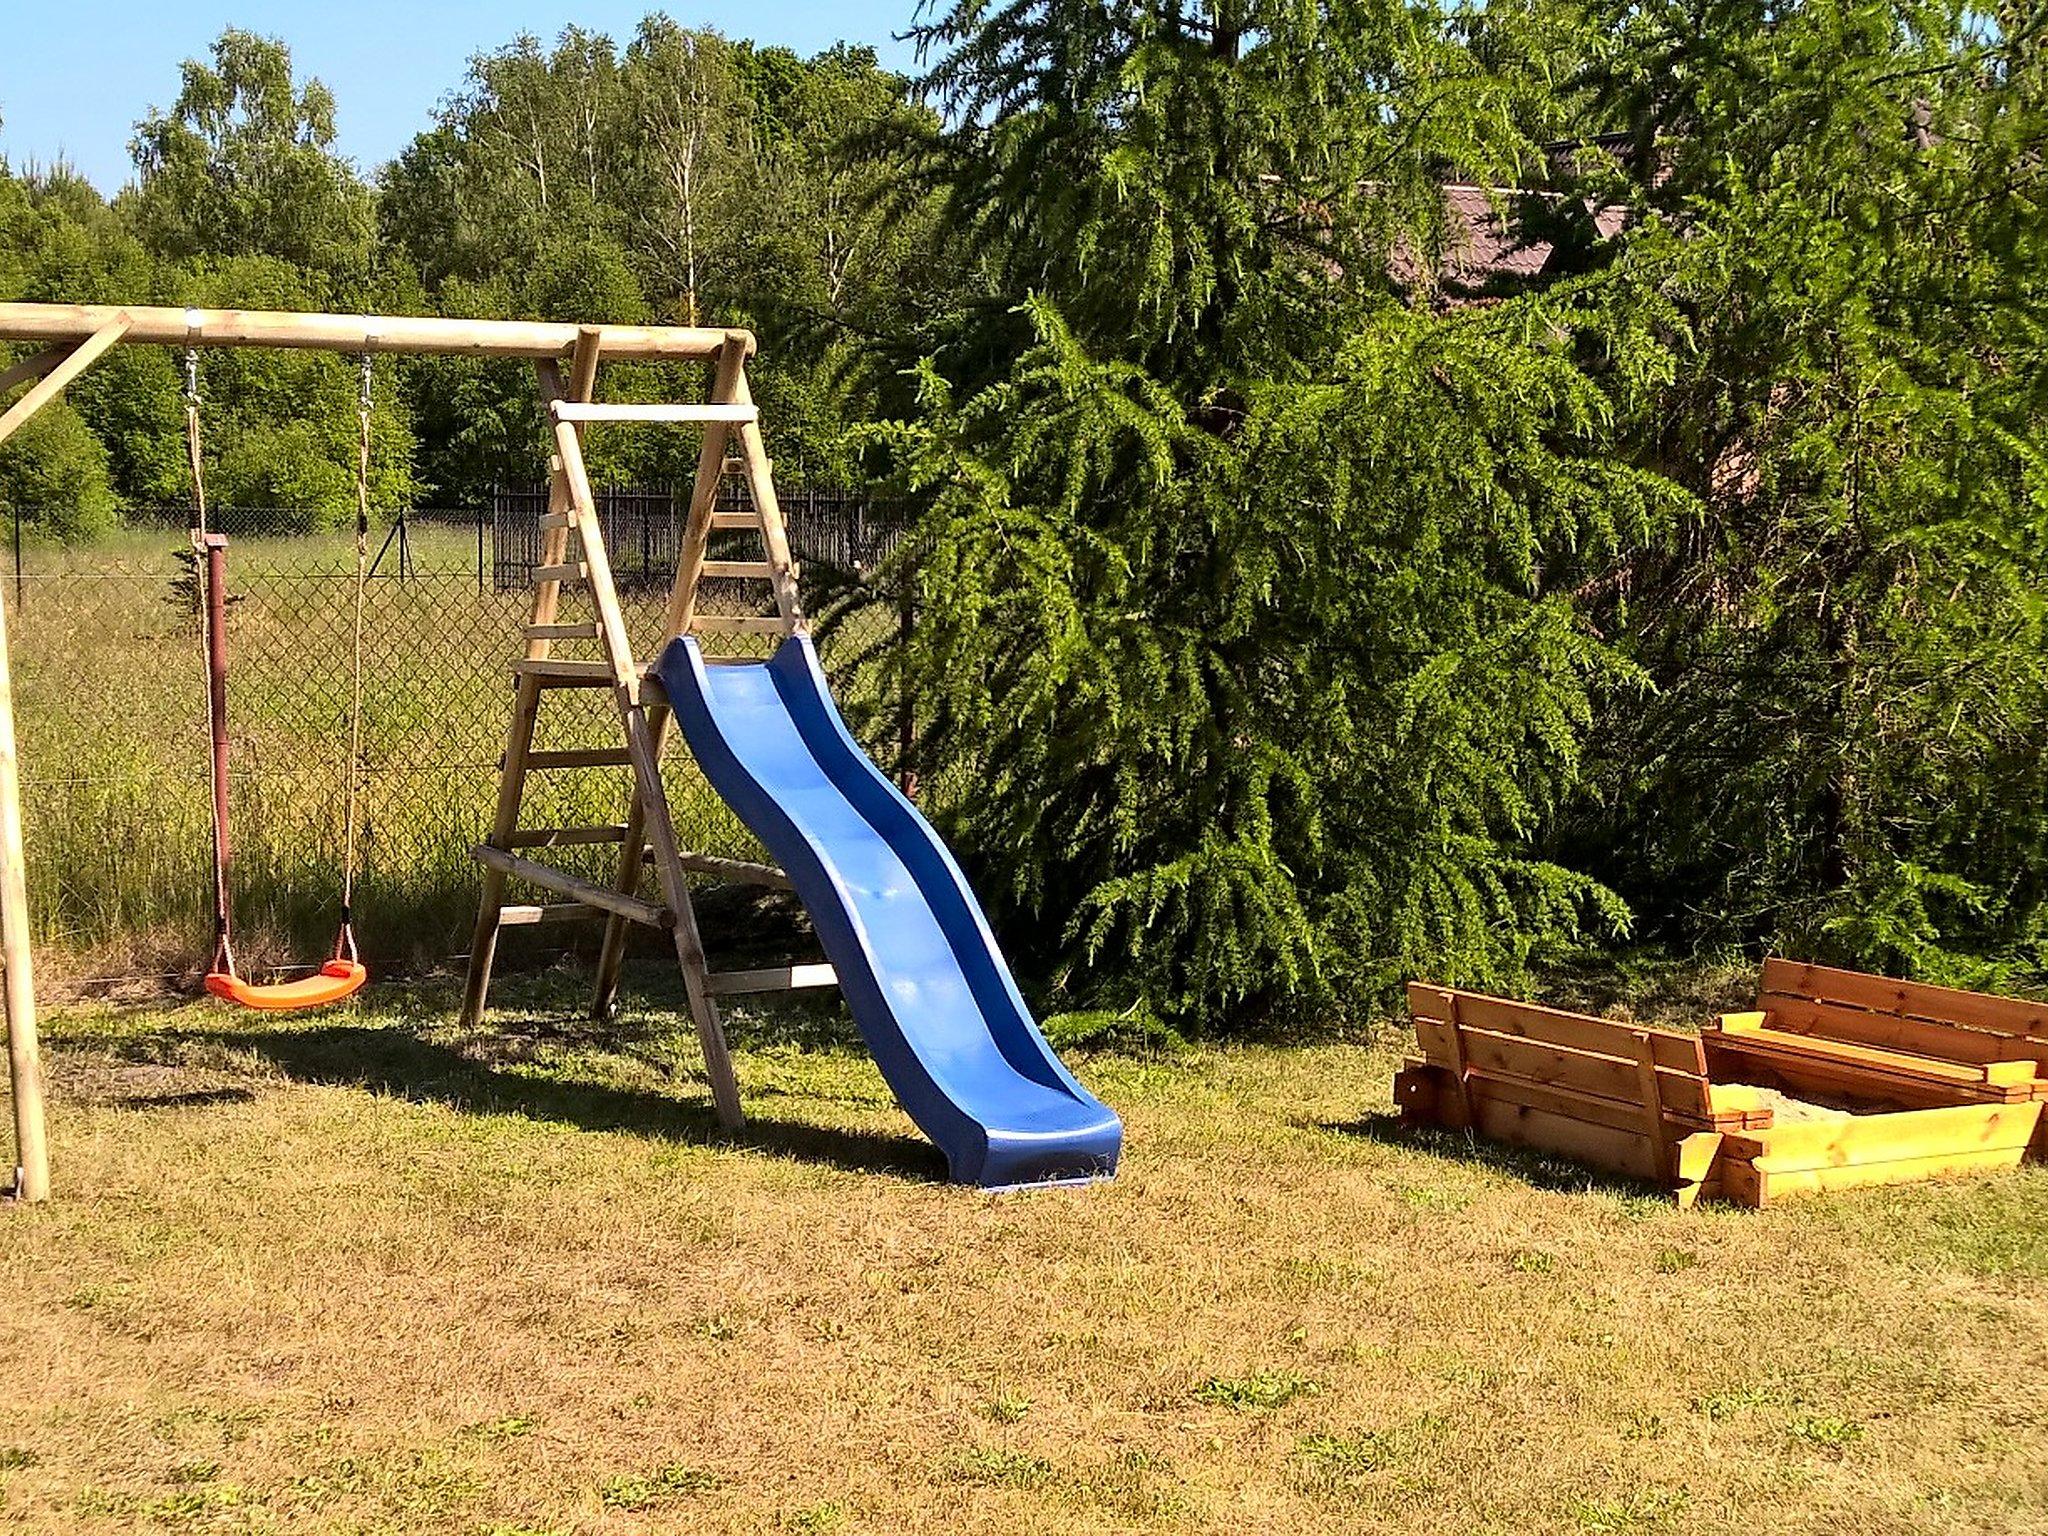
(1843, 204)
(243, 164)
(1247, 591)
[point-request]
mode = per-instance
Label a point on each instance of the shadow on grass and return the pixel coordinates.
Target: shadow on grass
(1542, 1170)
(197, 1098)
(403, 1065)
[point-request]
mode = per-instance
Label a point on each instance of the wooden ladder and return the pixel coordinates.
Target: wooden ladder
(573, 559)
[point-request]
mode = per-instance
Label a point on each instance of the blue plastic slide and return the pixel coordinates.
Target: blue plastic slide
(914, 955)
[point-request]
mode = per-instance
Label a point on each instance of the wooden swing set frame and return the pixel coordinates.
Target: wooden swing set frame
(574, 562)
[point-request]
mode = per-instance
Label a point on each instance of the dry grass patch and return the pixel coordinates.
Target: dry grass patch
(360, 1272)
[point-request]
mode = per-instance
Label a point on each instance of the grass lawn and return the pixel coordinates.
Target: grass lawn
(360, 1273)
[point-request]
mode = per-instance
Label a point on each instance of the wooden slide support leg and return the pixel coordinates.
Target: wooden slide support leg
(611, 958)
(483, 944)
(675, 894)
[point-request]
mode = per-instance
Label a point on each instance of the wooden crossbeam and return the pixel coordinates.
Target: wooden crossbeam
(357, 334)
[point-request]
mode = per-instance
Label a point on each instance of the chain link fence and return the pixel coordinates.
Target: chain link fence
(110, 699)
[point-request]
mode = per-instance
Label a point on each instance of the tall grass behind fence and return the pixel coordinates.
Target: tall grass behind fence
(110, 697)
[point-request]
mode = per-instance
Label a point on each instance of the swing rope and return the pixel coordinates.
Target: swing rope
(345, 941)
(206, 572)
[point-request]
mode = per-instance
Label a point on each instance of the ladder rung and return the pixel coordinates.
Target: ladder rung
(586, 891)
(561, 631)
(733, 467)
(735, 519)
(745, 570)
(566, 674)
(557, 520)
(779, 978)
(553, 912)
(567, 837)
(740, 871)
(573, 571)
(584, 410)
(581, 757)
(727, 624)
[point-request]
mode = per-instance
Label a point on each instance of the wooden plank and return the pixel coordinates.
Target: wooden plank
(735, 520)
(31, 1183)
(1554, 1026)
(1872, 1058)
(1649, 1085)
(1615, 1114)
(777, 978)
(1914, 999)
(730, 624)
(1919, 1037)
(1738, 1058)
(526, 915)
(739, 570)
(553, 520)
(58, 379)
(1607, 1076)
(565, 837)
(357, 334)
(553, 631)
(550, 673)
(1913, 1133)
(581, 757)
(586, 891)
(32, 368)
(738, 871)
(571, 570)
(652, 413)
(1626, 1152)
(1693, 1166)
(1778, 1182)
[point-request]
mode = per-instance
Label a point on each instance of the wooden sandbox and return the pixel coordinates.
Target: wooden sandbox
(1834, 1080)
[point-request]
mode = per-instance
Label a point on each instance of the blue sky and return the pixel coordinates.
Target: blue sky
(75, 77)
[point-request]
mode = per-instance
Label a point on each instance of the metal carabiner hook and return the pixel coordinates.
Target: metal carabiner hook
(192, 377)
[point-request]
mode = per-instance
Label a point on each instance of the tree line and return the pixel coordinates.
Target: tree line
(1303, 618)
(681, 177)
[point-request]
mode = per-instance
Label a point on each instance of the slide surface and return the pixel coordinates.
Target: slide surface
(914, 955)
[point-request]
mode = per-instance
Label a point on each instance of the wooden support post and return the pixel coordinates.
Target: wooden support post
(483, 944)
(1461, 1068)
(611, 958)
(1661, 1167)
(761, 485)
(54, 383)
(697, 526)
(24, 1060)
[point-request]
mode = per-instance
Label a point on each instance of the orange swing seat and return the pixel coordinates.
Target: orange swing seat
(334, 981)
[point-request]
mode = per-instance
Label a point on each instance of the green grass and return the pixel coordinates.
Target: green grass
(364, 1271)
